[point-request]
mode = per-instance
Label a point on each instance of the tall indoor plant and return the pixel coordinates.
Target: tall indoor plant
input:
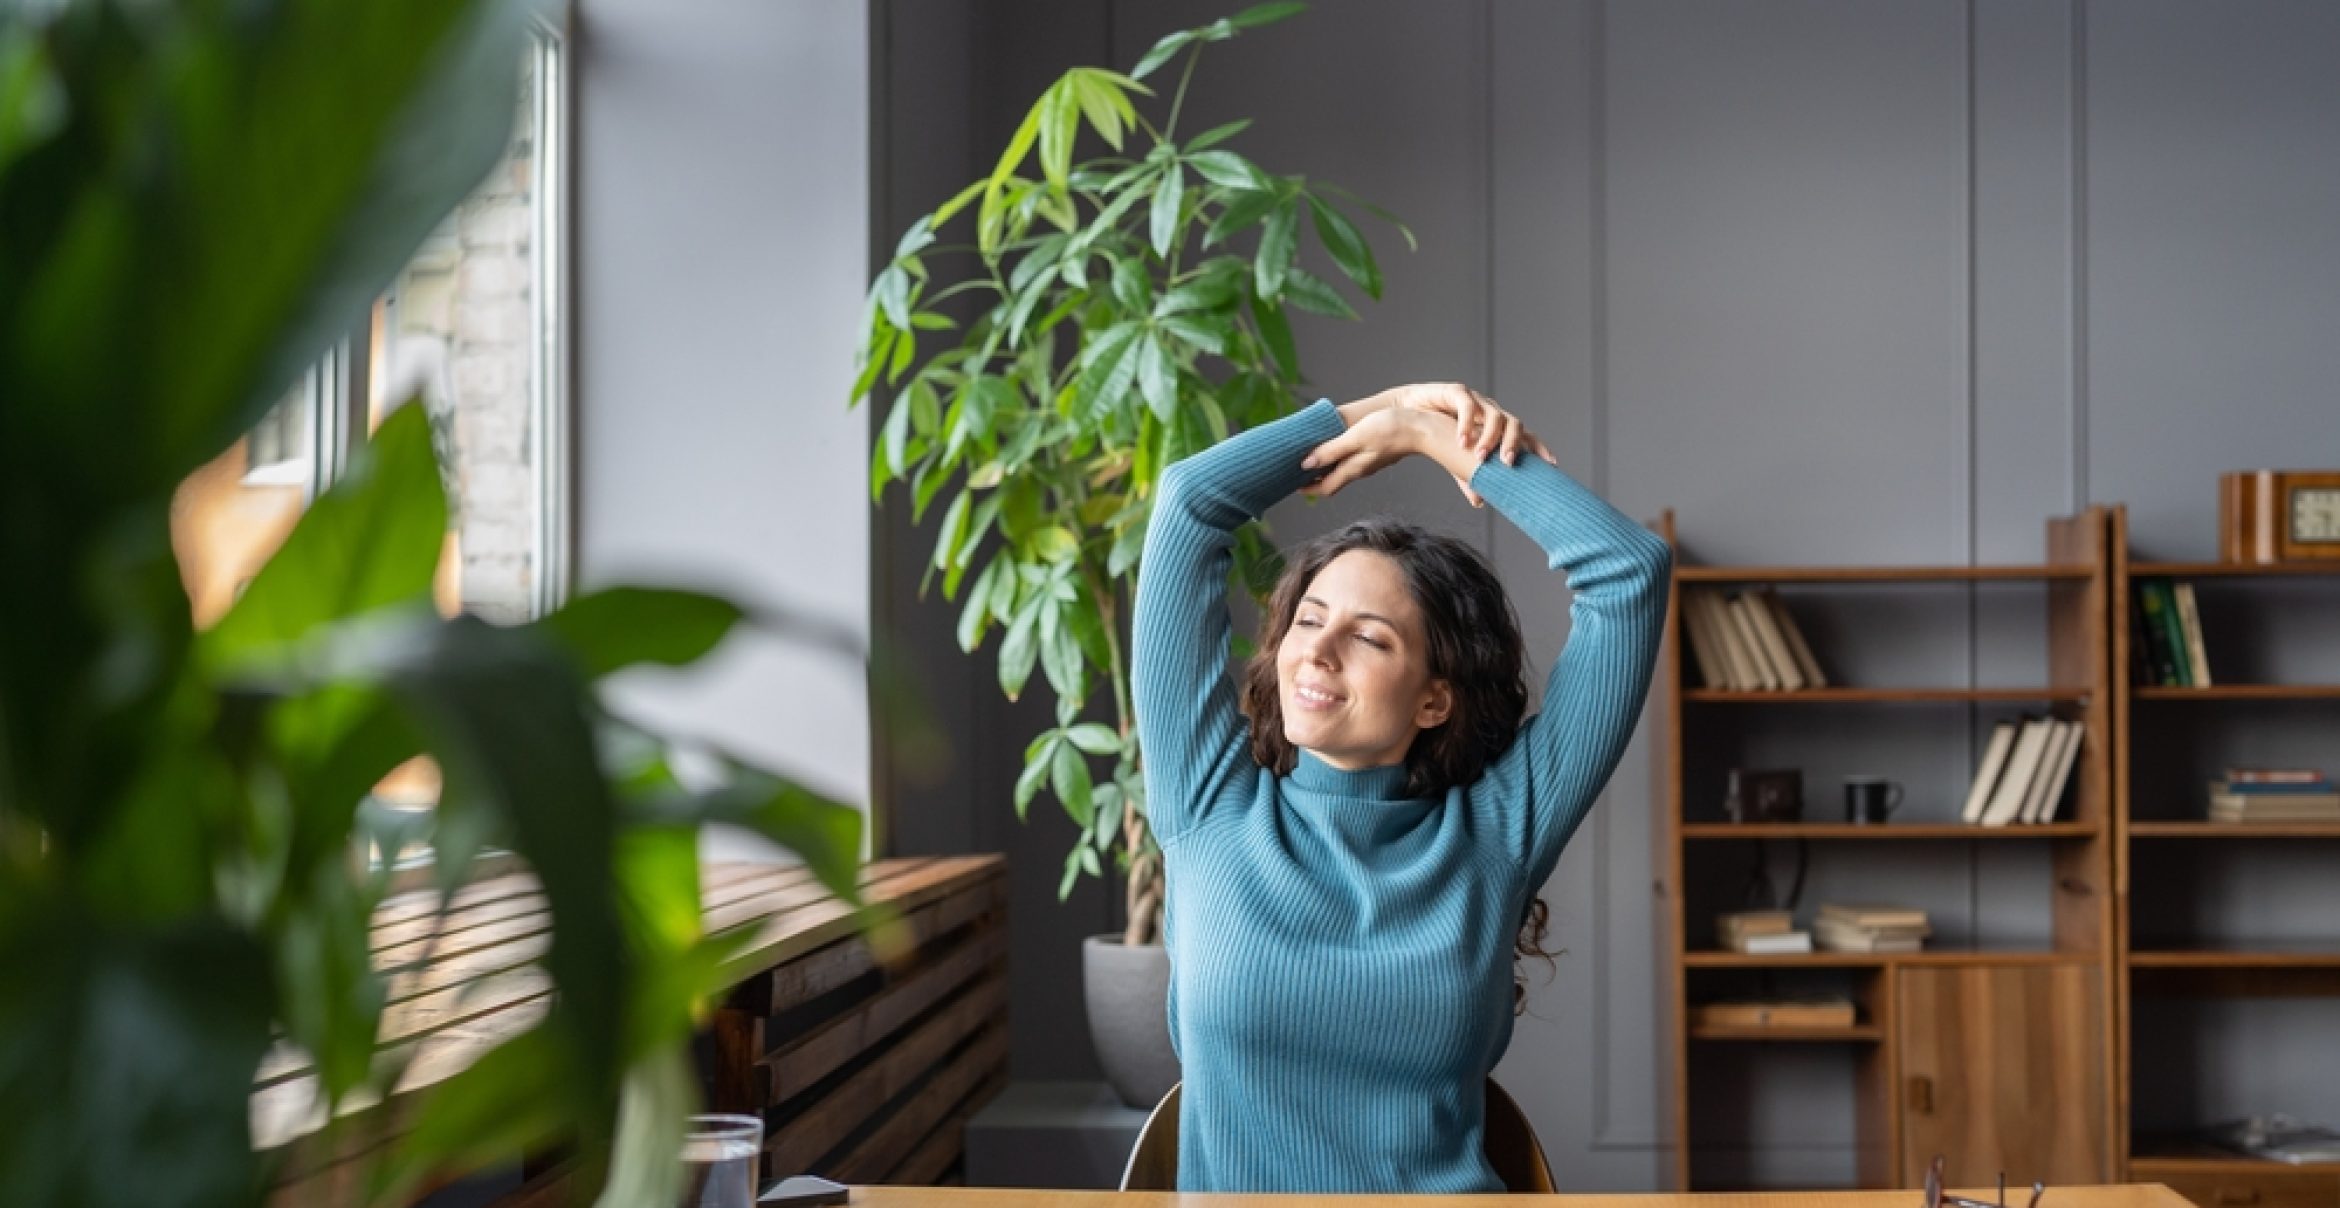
(196, 199)
(1117, 330)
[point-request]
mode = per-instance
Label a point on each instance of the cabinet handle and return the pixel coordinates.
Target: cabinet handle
(2238, 1195)
(1921, 1095)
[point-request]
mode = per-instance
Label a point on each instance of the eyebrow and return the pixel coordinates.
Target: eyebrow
(1370, 616)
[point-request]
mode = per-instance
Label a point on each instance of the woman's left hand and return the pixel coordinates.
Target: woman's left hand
(1447, 422)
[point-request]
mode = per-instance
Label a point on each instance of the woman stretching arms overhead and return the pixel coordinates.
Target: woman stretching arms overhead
(1354, 835)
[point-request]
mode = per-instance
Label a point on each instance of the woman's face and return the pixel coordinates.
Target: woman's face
(1353, 670)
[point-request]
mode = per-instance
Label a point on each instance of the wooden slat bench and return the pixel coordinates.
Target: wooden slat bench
(862, 1072)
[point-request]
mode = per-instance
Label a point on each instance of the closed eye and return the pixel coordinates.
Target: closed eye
(1312, 623)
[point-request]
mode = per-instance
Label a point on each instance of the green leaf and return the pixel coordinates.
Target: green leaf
(1072, 875)
(1276, 248)
(1158, 377)
(1347, 247)
(1228, 169)
(1095, 737)
(1088, 855)
(1240, 213)
(1161, 53)
(943, 213)
(1262, 14)
(1198, 333)
(1128, 544)
(1060, 124)
(1068, 777)
(614, 628)
(1107, 380)
(1312, 293)
(951, 531)
(370, 541)
(1278, 333)
(1060, 656)
(1218, 134)
(975, 614)
(1055, 543)
(1096, 104)
(1167, 193)
(1131, 286)
(1034, 775)
(1019, 651)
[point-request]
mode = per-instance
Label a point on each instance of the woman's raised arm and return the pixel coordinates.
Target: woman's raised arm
(1189, 730)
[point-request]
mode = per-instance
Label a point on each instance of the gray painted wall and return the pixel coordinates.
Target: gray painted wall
(721, 222)
(1838, 282)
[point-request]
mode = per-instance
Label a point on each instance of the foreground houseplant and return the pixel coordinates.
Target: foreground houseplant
(1100, 353)
(196, 198)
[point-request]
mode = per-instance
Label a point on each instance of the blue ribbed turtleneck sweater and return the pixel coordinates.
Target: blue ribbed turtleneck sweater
(1341, 954)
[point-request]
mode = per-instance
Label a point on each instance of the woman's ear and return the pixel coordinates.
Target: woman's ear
(1437, 707)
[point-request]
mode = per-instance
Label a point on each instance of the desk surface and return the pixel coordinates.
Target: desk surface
(2150, 1195)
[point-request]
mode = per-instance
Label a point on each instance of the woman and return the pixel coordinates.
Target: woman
(1352, 853)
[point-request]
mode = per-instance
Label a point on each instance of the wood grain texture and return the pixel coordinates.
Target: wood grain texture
(2003, 1073)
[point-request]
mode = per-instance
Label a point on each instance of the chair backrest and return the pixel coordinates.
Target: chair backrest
(1511, 1146)
(1153, 1161)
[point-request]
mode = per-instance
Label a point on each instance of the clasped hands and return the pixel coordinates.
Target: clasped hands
(1449, 423)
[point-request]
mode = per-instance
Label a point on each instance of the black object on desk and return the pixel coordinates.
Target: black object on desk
(802, 1191)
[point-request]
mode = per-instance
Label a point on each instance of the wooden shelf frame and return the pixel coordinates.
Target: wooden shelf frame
(2238, 968)
(2075, 574)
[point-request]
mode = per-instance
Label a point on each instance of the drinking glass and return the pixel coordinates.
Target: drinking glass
(719, 1153)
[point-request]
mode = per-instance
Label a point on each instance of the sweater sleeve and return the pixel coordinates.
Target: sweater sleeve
(1546, 782)
(1190, 733)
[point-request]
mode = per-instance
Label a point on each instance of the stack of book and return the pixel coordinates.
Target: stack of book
(2274, 795)
(1761, 931)
(2025, 768)
(1871, 927)
(2166, 645)
(1744, 641)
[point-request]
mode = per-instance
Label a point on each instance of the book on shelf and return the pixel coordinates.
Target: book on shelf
(2055, 772)
(1775, 1013)
(2190, 624)
(1768, 945)
(1870, 927)
(1745, 641)
(2165, 635)
(2023, 765)
(1873, 914)
(1722, 636)
(1986, 774)
(1705, 650)
(2294, 801)
(1743, 622)
(1754, 922)
(1798, 649)
(1775, 645)
(2240, 776)
(2279, 1138)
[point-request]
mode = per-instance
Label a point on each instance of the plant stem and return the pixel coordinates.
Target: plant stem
(1175, 102)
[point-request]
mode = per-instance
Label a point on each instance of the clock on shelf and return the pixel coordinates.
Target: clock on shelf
(2279, 516)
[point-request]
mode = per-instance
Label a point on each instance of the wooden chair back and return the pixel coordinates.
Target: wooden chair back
(1511, 1145)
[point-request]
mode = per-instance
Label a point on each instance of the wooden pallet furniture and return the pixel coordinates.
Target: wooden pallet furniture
(2161, 835)
(1997, 1055)
(862, 1071)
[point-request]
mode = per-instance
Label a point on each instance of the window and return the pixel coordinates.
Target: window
(472, 330)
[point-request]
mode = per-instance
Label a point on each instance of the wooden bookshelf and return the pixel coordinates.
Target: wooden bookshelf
(2159, 967)
(1913, 1047)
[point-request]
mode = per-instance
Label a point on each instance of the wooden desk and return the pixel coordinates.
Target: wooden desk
(807, 1003)
(2151, 1195)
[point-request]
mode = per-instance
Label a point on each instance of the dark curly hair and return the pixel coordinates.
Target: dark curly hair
(1474, 645)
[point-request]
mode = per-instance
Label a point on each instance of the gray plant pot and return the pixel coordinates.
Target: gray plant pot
(1128, 992)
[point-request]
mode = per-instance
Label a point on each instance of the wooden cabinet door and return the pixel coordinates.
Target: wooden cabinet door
(2002, 1071)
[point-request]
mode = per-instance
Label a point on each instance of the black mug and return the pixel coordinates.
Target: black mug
(1869, 799)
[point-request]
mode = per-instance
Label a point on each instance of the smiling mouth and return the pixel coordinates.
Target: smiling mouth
(1315, 697)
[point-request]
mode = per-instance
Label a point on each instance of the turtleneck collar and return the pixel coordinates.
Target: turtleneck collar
(1384, 783)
